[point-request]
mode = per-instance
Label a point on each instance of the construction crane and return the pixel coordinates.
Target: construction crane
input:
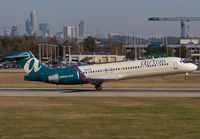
(181, 19)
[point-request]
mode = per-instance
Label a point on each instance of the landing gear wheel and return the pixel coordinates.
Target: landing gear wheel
(186, 76)
(98, 87)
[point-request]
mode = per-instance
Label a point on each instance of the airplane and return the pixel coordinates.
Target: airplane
(98, 73)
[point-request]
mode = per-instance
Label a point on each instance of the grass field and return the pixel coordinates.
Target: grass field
(99, 118)
(16, 80)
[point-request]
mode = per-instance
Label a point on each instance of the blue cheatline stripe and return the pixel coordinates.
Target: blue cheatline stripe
(81, 73)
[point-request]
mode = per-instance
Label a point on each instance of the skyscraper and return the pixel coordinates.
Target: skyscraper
(65, 31)
(28, 26)
(75, 32)
(31, 24)
(81, 26)
(44, 28)
(69, 32)
(14, 31)
(7, 33)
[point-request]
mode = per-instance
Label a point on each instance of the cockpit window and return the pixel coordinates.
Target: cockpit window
(182, 61)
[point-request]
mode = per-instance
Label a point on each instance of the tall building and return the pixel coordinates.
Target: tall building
(7, 33)
(14, 31)
(44, 28)
(31, 24)
(81, 27)
(28, 26)
(65, 31)
(69, 32)
(75, 32)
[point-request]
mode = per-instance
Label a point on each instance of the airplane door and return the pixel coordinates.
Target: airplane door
(175, 64)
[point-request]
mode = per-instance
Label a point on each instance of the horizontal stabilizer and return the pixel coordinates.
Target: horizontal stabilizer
(14, 57)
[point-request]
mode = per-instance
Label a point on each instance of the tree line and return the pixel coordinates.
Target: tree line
(30, 43)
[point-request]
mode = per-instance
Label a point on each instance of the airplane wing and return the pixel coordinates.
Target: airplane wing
(95, 80)
(86, 59)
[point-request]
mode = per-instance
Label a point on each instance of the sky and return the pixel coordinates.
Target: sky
(126, 17)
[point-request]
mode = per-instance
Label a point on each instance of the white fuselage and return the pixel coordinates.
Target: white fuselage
(138, 68)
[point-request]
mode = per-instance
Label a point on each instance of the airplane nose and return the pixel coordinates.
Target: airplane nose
(193, 67)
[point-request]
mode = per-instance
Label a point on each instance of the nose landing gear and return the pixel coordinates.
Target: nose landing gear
(186, 76)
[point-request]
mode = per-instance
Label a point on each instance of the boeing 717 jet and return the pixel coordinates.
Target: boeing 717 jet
(98, 73)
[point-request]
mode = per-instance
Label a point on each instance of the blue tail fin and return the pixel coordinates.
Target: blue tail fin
(29, 63)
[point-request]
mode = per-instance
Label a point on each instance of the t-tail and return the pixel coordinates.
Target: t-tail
(35, 69)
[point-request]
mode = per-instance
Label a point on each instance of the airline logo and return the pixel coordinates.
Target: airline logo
(35, 66)
(153, 62)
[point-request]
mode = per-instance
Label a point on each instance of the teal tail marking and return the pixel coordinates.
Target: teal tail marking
(35, 69)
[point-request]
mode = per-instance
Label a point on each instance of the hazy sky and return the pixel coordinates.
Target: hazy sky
(103, 16)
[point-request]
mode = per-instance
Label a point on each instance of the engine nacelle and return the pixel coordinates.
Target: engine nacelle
(53, 78)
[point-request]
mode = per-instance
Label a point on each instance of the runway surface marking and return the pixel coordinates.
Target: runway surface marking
(106, 92)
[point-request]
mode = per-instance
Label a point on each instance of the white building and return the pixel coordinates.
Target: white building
(74, 32)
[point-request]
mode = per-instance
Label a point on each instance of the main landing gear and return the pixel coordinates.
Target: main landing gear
(186, 76)
(98, 87)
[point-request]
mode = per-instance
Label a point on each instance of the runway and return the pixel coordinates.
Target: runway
(106, 92)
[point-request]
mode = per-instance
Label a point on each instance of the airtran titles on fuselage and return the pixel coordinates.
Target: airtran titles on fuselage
(66, 76)
(153, 62)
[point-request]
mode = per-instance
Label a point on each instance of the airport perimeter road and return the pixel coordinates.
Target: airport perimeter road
(106, 92)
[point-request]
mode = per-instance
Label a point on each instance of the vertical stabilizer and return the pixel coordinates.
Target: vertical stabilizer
(29, 63)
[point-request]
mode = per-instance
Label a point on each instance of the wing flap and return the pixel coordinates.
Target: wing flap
(96, 80)
(105, 78)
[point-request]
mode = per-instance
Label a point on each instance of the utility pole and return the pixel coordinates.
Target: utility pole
(47, 52)
(64, 55)
(39, 52)
(135, 45)
(167, 45)
(69, 55)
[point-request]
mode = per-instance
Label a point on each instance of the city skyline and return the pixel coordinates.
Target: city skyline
(103, 17)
